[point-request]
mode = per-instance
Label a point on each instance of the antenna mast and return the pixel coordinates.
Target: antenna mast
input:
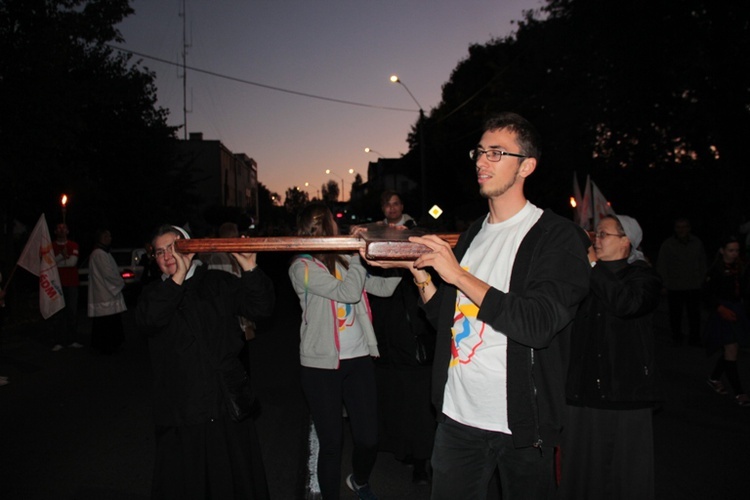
(183, 14)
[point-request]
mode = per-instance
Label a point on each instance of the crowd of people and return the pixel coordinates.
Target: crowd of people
(525, 352)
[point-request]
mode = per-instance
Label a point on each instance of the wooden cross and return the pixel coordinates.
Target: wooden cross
(379, 243)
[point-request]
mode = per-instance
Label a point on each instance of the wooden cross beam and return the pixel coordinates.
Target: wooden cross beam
(379, 243)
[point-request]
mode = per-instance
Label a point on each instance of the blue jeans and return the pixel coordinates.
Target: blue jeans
(464, 459)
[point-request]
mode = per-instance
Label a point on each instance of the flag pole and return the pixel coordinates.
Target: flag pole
(10, 277)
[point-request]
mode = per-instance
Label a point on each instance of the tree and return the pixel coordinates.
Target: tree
(80, 119)
(330, 192)
(295, 200)
(658, 117)
(274, 219)
(357, 182)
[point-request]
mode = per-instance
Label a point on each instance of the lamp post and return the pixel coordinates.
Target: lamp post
(317, 191)
(331, 172)
(422, 145)
(370, 150)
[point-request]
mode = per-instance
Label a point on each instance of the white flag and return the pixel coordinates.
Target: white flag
(587, 207)
(578, 200)
(601, 206)
(39, 259)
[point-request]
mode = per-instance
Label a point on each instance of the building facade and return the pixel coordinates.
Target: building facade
(222, 180)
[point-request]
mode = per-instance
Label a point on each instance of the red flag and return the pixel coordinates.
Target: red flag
(39, 259)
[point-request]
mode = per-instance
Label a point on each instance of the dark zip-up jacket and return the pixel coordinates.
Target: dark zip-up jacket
(550, 277)
(187, 323)
(612, 358)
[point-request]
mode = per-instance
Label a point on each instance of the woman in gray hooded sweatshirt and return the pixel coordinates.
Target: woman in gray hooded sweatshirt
(336, 346)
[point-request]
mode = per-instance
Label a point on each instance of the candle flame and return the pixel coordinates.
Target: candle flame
(64, 199)
(573, 202)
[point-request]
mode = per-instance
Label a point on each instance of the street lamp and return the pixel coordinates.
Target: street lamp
(422, 145)
(331, 172)
(370, 150)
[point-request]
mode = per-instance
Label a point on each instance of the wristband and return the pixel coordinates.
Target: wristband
(423, 284)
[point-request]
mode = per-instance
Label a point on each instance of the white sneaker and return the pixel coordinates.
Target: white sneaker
(4, 382)
(57, 348)
(76, 345)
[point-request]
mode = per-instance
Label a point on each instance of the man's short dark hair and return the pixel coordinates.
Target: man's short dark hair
(528, 138)
(387, 195)
(229, 230)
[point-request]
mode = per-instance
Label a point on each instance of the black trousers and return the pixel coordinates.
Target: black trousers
(465, 458)
(353, 386)
(685, 300)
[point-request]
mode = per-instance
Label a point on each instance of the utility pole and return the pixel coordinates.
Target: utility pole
(185, 46)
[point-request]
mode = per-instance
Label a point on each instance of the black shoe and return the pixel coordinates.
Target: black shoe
(419, 476)
(363, 491)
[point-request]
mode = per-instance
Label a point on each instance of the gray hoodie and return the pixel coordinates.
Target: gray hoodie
(319, 291)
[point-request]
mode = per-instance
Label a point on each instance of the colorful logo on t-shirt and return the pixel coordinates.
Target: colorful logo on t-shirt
(345, 316)
(344, 312)
(468, 332)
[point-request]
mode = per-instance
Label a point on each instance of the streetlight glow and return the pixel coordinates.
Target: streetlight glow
(422, 145)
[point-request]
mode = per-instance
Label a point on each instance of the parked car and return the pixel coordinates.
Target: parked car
(130, 262)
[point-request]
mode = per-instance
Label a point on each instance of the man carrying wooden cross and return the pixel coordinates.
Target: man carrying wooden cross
(503, 313)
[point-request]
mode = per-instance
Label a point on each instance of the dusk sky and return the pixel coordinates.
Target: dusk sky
(337, 49)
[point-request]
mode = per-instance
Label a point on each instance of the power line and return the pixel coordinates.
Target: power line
(256, 84)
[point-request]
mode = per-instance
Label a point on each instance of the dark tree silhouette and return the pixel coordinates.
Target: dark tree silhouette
(647, 96)
(79, 119)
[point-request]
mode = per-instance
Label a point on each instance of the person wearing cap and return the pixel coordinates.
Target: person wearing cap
(204, 449)
(607, 443)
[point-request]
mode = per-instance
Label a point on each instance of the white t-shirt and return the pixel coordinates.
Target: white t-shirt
(402, 221)
(476, 393)
(352, 339)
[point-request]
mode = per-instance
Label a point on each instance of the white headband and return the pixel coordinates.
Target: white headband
(182, 232)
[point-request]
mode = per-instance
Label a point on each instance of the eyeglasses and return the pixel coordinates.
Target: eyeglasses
(492, 154)
(160, 253)
(603, 234)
